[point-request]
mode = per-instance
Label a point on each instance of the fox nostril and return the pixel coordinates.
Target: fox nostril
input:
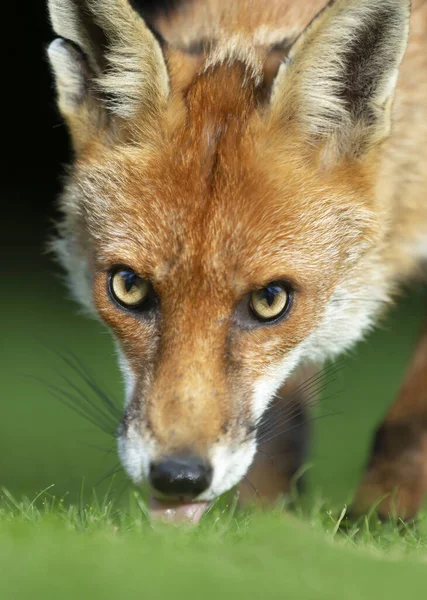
(181, 476)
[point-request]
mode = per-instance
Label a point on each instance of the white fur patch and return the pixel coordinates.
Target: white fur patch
(68, 68)
(348, 316)
(135, 454)
(128, 375)
(420, 248)
(267, 385)
(236, 48)
(230, 465)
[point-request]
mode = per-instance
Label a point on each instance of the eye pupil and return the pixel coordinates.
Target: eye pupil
(270, 303)
(270, 294)
(128, 279)
(129, 290)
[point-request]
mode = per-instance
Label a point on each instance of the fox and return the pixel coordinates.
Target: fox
(247, 196)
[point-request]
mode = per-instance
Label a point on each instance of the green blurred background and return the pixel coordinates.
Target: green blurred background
(42, 442)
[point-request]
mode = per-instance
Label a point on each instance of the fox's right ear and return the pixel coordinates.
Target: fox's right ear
(338, 81)
(107, 64)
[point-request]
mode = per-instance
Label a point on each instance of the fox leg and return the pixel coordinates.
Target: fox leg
(282, 445)
(397, 470)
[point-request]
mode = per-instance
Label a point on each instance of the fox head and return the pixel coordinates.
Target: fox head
(222, 222)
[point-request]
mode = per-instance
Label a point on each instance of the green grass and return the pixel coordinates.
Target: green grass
(65, 543)
(51, 550)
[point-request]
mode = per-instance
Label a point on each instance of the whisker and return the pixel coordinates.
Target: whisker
(97, 412)
(247, 480)
(290, 415)
(90, 380)
(289, 411)
(100, 448)
(312, 401)
(267, 457)
(315, 385)
(365, 300)
(78, 367)
(116, 469)
(332, 414)
(265, 439)
(105, 415)
(331, 369)
(315, 379)
(74, 403)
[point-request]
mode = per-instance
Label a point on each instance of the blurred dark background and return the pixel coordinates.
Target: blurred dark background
(42, 442)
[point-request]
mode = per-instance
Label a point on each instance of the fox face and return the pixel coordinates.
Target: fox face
(226, 229)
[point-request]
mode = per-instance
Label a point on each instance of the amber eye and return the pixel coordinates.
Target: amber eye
(128, 289)
(271, 302)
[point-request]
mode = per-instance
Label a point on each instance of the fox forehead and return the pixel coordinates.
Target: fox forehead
(212, 191)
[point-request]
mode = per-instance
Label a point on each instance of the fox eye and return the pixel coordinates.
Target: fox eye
(128, 289)
(271, 302)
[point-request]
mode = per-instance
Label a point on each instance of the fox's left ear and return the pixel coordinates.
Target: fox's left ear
(109, 68)
(338, 81)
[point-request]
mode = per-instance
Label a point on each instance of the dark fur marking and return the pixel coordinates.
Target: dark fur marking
(198, 47)
(151, 9)
(93, 31)
(364, 65)
(282, 46)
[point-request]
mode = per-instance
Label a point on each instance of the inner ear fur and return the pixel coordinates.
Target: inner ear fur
(107, 65)
(338, 80)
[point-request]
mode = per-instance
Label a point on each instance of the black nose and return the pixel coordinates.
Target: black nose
(181, 476)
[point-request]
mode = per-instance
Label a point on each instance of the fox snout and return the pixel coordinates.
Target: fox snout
(183, 474)
(180, 476)
(185, 431)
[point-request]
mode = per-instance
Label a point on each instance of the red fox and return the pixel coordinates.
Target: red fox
(249, 190)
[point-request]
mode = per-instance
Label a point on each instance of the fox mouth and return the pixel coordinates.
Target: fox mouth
(181, 487)
(177, 512)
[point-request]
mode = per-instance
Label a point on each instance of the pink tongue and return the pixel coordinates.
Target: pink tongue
(177, 513)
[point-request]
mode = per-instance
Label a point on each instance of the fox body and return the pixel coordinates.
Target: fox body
(229, 157)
